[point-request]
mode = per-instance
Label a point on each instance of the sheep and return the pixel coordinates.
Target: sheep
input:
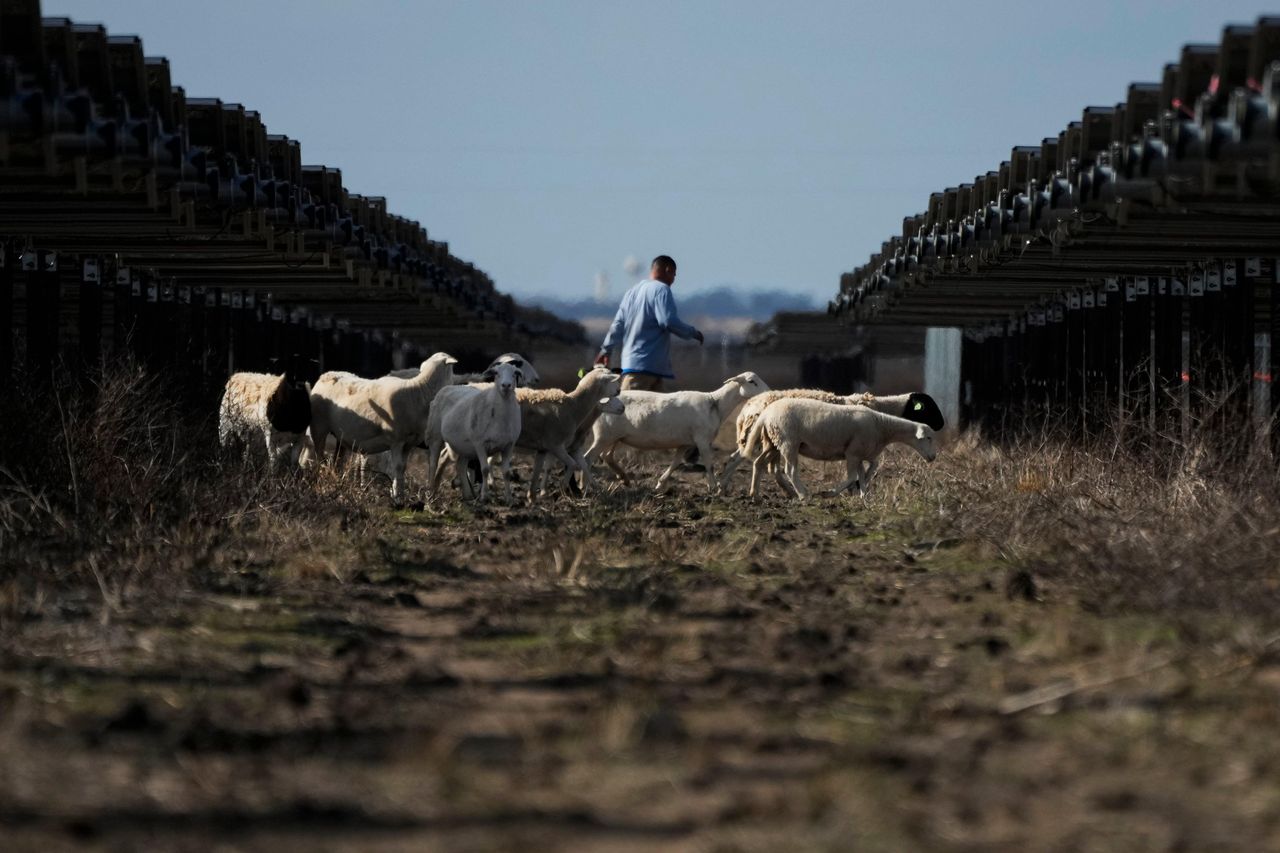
(376, 415)
(915, 406)
(674, 421)
(551, 419)
(380, 463)
(792, 427)
(530, 376)
(475, 421)
(262, 406)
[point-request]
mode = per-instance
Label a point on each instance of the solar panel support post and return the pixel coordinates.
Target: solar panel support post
(1167, 307)
(90, 314)
(1012, 373)
(1057, 359)
(1237, 341)
(167, 332)
(1258, 291)
(43, 297)
(1272, 278)
(970, 353)
(1073, 366)
(8, 263)
(1094, 308)
(218, 332)
(1112, 342)
(1136, 349)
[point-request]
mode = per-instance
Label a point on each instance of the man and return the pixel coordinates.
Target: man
(644, 325)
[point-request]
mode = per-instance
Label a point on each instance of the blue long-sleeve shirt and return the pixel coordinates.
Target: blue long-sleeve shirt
(644, 324)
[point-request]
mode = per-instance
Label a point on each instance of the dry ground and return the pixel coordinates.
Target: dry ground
(637, 673)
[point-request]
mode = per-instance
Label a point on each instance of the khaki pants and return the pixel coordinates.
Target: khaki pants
(641, 382)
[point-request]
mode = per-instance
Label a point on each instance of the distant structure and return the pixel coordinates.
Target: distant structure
(1129, 264)
(136, 219)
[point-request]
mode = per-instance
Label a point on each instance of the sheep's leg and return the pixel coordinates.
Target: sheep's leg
(295, 452)
(864, 481)
(764, 460)
(730, 468)
(615, 467)
(597, 449)
(319, 445)
(791, 469)
(853, 471)
(708, 458)
(535, 479)
(756, 465)
(397, 471)
(775, 467)
(433, 467)
(273, 448)
(565, 459)
(483, 458)
(666, 475)
(606, 453)
(340, 451)
(507, 453)
(581, 464)
(461, 475)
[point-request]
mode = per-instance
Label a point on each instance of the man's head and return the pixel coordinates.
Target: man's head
(663, 269)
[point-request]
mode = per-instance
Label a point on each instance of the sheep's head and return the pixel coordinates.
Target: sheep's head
(601, 380)
(923, 409)
(438, 359)
(530, 376)
(505, 376)
(748, 384)
(289, 409)
(924, 443)
(611, 405)
(438, 363)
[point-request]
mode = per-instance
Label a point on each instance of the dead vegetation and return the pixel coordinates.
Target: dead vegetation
(1038, 646)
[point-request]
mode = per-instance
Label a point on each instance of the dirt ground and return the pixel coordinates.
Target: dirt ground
(635, 673)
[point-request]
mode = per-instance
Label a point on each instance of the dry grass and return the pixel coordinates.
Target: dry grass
(114, 486)
(1153, 524)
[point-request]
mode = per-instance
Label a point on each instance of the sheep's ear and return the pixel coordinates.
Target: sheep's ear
(448, 359)
(489, 375)
(519, 375)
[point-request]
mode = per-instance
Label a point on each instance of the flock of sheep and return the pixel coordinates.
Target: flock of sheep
(466, 421)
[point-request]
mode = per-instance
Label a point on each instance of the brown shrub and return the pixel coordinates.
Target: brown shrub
(115, 486)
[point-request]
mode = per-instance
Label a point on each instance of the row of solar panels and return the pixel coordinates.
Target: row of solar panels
(76, 100)
(1202, 146)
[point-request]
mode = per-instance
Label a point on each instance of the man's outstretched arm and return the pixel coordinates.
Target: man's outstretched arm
(670, 320)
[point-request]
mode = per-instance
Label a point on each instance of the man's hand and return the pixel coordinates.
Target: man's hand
(602, 360)
(697, 336)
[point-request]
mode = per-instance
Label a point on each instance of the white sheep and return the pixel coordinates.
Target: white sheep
(376, 415)
(264, 407)
(529, 376)
(551, 419)
(675, 421)
(915, 406)
(790, 428)
(474, 422)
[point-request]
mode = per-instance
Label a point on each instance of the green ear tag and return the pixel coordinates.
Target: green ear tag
(582, 371)
(919, 406)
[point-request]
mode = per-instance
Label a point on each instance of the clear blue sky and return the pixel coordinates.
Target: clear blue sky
(761, 144)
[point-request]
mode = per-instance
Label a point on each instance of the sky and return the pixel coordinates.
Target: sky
(763, 145)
